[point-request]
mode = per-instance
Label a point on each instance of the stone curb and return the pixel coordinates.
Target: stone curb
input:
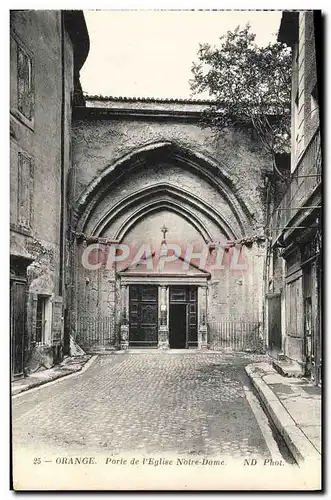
(299, 445)
(65, 372)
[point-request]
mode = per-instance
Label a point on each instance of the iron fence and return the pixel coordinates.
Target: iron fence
(238, 335)
(95, 331)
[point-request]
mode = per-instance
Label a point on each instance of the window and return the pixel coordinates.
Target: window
(295, 50)
(308, 325)
(178, 294)
(25, 190)
(314, 102)
(298, 124)
(25, 100)
(43, 320)
(296, 117)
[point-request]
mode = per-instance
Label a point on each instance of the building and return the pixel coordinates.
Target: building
(47, 50)
(294, 292)
(146, 175)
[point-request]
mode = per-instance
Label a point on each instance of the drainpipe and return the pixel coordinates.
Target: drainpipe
(62, 182)
(265, 279)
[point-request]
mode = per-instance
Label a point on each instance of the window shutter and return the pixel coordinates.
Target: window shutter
(57, 320)
(25, 189)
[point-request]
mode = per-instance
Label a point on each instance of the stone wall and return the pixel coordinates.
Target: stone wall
(102, 138)
(37, 139)
(137, 167)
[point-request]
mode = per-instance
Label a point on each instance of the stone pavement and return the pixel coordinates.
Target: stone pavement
(69, 366)
(181, 403)
(294, 405)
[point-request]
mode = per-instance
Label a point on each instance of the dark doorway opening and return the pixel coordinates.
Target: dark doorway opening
(178, 326)
(183, 317)
(18, 285)
(274, 324)
(17, 323)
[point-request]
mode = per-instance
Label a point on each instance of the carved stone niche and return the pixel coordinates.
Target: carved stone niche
(202, 318)
(124, 328)
(163, 334)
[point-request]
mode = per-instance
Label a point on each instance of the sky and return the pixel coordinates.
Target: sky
(149, 53)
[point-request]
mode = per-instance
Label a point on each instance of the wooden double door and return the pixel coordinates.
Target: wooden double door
(143, 316)
(144, 320)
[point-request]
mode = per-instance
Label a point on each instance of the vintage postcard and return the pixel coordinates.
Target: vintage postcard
(165, 249)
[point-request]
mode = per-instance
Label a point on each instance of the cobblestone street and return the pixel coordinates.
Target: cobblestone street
(182, 403)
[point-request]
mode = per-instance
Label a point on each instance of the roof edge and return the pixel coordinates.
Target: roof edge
(288, 32)
(170, 100)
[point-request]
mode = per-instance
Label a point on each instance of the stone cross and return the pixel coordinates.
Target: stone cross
(164, 230)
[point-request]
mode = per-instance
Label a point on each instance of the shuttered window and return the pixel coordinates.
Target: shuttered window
(25, 190)
(24, 83)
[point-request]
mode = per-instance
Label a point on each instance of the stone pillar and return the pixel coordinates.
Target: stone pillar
(202, 317)
(163, 341)
(124, 329)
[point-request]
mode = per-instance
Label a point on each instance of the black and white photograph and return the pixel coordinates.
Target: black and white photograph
(166, 249)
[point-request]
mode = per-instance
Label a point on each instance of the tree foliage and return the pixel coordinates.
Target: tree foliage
(249, 85)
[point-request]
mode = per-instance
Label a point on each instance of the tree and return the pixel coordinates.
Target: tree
(249, 85)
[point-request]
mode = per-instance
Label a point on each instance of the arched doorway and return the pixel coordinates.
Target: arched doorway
(127, 206)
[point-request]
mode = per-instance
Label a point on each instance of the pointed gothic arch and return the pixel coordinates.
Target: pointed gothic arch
(205, 167)
(158, 196)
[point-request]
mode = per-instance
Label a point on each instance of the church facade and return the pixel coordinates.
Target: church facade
(166, 241)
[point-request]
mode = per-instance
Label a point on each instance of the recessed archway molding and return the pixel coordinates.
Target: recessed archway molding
(205, 167)
(163, 196)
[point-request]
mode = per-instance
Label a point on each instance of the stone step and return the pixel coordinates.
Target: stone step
(288, 368)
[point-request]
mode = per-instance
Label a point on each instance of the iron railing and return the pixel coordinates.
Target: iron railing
(238, 335)
(95, 331)
(304, 180)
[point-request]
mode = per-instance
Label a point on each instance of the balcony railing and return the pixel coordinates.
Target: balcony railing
(304, 181)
